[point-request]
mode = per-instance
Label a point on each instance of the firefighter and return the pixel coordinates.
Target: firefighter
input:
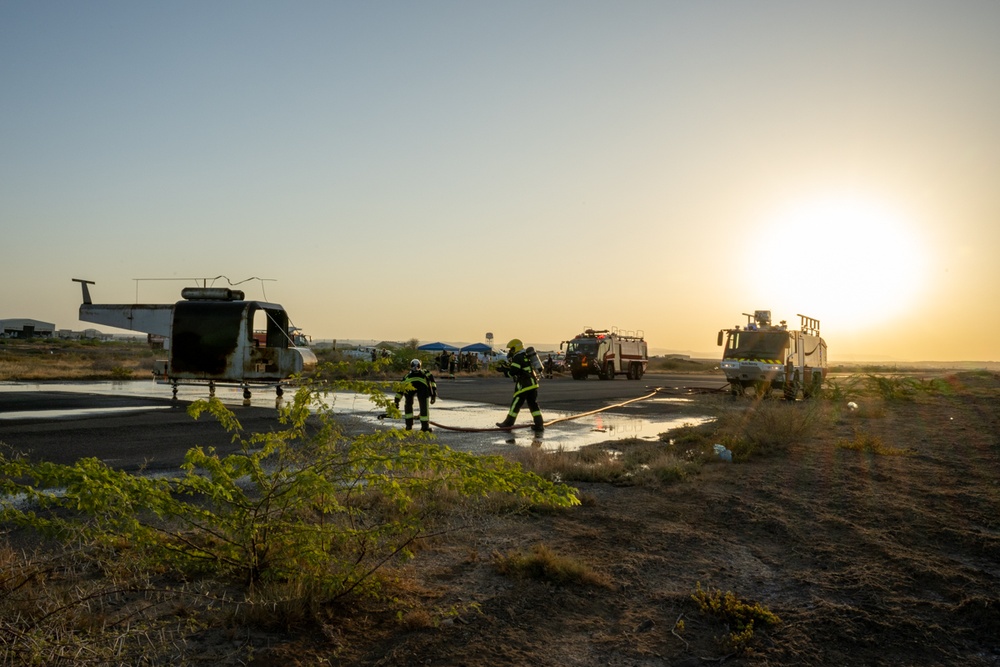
(423, 386)
(518, 367)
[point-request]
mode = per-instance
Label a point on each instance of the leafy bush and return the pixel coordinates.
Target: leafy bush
(889, 387)
(840, 390)
(302, 509)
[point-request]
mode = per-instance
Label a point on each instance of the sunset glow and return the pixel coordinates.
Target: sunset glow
(845, 259)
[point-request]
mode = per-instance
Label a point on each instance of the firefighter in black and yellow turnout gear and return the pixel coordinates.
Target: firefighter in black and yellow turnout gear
(422, 386)
(519, 368)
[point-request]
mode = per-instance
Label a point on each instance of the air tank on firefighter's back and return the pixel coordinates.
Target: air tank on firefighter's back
(536, 363)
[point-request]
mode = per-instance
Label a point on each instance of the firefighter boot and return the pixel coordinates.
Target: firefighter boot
(506, 423)
(425, 426)
(409, 424)
(538, 426)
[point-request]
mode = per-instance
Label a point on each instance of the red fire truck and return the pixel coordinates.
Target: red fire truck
(606, 353)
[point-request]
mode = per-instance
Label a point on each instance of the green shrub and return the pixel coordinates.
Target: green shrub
(740, 617)
(303, 507)
(889, 387)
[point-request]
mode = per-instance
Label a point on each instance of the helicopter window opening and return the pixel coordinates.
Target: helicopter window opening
(259, 328)
(270, 328)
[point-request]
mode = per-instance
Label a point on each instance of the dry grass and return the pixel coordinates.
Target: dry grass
(769, 427)
(748, 430)
(73, 605)
(544, 564)
(863, 441)
(46, 360)
(631, 461)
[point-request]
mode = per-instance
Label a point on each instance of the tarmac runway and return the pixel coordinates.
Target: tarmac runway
(137, 429)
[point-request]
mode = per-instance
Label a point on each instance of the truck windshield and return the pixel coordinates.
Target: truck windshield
(756, 345)
(588, 347)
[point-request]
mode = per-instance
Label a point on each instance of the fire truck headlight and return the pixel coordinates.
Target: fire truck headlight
(729, 365)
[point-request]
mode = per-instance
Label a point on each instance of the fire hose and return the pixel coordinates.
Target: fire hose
(554, 421)
(561, 419)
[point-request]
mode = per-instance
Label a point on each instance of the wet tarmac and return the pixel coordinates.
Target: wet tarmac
(456, 424)
(465, 425)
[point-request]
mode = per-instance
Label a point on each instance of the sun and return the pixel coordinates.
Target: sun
(848, 261)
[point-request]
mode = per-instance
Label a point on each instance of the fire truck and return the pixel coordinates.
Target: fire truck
(606, 353)
(762, 356)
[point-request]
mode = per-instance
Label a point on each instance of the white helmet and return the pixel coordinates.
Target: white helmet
(415, 365)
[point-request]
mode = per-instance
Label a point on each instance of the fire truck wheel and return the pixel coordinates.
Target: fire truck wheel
(791, 389)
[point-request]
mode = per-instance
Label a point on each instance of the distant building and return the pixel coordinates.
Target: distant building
(26, 328)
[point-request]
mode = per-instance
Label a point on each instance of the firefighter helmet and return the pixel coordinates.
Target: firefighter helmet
(515, 345)
(415, 365)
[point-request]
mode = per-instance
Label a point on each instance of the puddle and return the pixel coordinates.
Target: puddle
(455, 424)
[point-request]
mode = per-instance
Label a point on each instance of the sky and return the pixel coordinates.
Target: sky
(437, 170)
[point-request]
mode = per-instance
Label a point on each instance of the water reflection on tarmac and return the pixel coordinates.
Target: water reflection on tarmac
(567, 434)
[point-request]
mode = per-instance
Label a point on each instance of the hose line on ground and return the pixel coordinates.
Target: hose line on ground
(549, 423)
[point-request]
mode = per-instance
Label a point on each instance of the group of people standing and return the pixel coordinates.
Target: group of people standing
(451, 363)
(422, 387)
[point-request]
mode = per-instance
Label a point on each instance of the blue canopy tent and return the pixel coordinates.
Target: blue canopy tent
(437, 347)
(477, 347)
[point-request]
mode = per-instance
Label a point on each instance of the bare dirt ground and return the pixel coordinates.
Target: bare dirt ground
(867, 559)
